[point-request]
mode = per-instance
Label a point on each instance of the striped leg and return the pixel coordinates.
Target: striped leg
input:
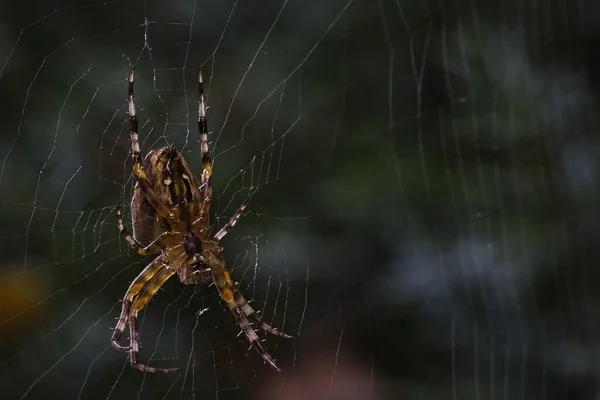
(249, 312)
(141, 300)
(240, 309)
(228, 227)
(252, 337)
(136, 286)
(206, 178)
(134, 244)
(161, 208)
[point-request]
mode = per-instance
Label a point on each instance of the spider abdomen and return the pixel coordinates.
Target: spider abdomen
(175, 184)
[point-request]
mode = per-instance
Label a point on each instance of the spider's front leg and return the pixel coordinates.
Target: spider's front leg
(134, 289)
(241, 310)
(141, 300)
(238, 309)
(249, 312)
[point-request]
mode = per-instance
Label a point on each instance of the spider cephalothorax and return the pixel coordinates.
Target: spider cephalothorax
(169, 213)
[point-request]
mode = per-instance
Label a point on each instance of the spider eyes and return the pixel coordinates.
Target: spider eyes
(192, 244)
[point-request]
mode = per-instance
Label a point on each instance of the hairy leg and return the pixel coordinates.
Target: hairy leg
(206, 177)
(161, 208)
(141, 300)
(228, 227)
(249, 312)
(240, 309)
(134, 244)
(136, 286)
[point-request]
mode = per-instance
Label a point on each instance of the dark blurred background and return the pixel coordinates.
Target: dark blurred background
(425, 220)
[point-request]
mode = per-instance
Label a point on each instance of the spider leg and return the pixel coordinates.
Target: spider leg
(251, 335)
(136, 286)
(242, 304)
(228, 227)
(141, 300)
(206, 178)
(161, 208)
(240, 309)
(134, 244)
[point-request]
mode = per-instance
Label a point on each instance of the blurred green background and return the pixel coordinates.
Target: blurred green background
(425, 217)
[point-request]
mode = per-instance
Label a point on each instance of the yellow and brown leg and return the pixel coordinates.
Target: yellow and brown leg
(241, 303)
(251, 335)
(136, 286)
(241, 310)
(206, 177)
(161, 208)
(141, 300)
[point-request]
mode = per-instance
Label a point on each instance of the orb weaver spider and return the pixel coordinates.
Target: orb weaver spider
(170, 216)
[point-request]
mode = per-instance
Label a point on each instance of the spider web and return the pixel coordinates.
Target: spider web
(424, 196)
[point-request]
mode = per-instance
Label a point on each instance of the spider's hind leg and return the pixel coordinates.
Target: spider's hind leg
(207, 165)
(159, 206)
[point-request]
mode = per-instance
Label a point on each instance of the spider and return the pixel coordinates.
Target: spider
(170, 218)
